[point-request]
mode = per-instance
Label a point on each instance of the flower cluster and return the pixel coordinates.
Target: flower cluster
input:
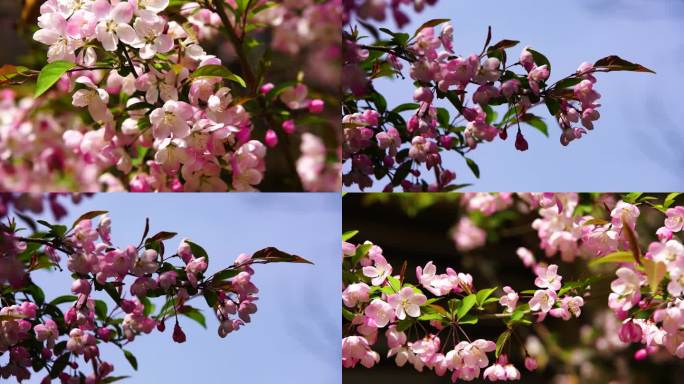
(163, 114)
(387, 143)
(41, 335)
(437, 308)
(647, 294)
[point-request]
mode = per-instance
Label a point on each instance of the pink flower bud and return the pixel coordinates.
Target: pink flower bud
(630, 332)
(266, 88)
(271, 139)
(316, 106)
(80, 286)
(422, 94)
(178, 334)
(530, 363)
(520, 142)
(289, 126)
(128, 306)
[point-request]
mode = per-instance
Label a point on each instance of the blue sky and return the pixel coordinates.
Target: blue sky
(636, 143)
(294, 336)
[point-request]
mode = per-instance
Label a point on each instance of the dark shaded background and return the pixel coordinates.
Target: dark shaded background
(424, 236)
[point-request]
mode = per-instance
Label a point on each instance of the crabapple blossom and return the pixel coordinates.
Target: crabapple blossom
(547, 277)
(473, 84)
(146, 75)
(406, 302)
(82, 324)
(675, 219)
(510, 300)
(543, 300)
(379, 271)
(626, 290)
(354, 294)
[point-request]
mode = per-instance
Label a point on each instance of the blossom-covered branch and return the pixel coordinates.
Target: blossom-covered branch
(164, 112)
(488, 93)
(112, 295)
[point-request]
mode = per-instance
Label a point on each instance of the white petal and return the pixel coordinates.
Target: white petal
(46, 36)
(126, 33)
(108, 39)
(147, 52)
(163, 43)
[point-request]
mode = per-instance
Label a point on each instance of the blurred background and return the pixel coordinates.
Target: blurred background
(415, 228)
(635, 144)
(293, 337)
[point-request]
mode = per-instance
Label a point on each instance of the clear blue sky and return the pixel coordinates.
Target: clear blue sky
(636, 144)
(295, 335)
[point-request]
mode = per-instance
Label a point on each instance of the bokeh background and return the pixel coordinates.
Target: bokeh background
(635, 144)
(415, 228)
(294, 336)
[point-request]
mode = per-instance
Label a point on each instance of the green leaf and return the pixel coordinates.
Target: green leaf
(275, 255)
(113, 379)
(361, 251)
(218, 71)
(616, 63)
(655, 272)
(536, 122)
(225, 274)
(568, 82)
(431, 23)
(197, 251)
(394, 283)
(501, 341)
(347, 314)
(88, 216)
(469, 319)
(131, 358)
(467, 304)
(503, 44)
(406, 107)
(196, 315)
(405, 324)
(632, 197)
(210, 297)
(553, 105)
(402, 172)
(50, 74)
(540, 59)
(348, 235)
(483, 294)
(443, 117)
(63, 299)
(161, 236)
(670, 199)
(37, 293)
(101, 309)
(59, 365)
(614, 257)
(473, 167)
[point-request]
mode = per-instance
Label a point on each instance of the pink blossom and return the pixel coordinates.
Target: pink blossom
(172, 118)
(467, 236)
(354, 294)
(379, 313)
(675, 219)
(547, 277)
(510, 299)
(379, 271)
(626, 290)
(407, 302)
(543, 300)
(113, 25)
